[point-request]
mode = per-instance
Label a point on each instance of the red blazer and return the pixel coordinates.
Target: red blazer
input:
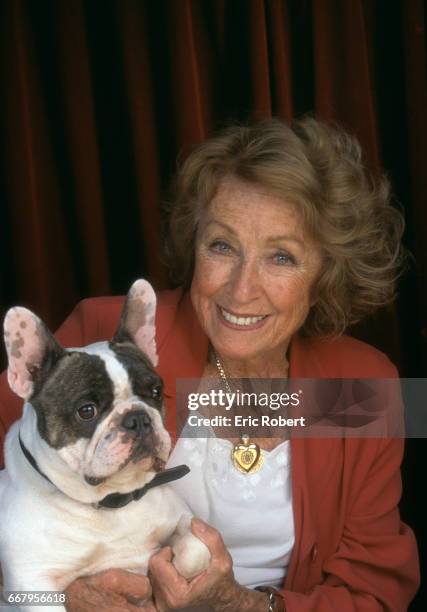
(351, 552)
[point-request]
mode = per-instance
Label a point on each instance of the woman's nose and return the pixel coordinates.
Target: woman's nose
(245, 285)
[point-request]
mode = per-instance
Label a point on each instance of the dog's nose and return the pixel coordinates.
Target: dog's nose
(137, 421)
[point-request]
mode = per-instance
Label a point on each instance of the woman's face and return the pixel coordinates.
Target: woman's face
(254, 271)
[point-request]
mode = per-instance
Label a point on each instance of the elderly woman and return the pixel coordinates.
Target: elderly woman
(278, 240)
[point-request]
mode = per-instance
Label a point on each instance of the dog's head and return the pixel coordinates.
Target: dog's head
(99, 407)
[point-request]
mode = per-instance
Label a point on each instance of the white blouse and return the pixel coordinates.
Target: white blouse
(253, 512)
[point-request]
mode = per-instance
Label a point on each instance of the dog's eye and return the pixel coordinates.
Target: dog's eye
(87, 412)
(156, 392)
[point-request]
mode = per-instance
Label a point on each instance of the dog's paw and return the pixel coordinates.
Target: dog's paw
(191, 556)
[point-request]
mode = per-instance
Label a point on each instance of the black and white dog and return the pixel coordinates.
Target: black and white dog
(79, 493)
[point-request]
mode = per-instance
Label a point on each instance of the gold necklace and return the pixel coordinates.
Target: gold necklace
(246, 456)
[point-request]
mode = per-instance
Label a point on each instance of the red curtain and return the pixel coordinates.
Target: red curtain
(100, 97)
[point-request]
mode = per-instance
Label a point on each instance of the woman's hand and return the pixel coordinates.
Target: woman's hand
(113, 591)
(215, 588)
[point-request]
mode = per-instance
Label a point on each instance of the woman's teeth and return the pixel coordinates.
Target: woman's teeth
(240, 320)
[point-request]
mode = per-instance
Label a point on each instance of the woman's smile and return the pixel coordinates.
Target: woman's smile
(242, 322)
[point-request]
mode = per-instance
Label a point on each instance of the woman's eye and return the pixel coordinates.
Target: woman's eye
(283, 259)
(87, 412)
(220, 247)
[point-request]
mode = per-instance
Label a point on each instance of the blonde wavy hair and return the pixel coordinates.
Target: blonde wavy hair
(319, 169)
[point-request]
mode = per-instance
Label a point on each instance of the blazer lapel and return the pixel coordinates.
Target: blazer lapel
(183, 353)
(302, 364)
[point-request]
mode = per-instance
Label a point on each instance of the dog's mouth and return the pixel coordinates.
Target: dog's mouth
(144, 448)
(157, 466)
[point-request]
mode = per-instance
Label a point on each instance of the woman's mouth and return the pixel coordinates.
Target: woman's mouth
(241, 321)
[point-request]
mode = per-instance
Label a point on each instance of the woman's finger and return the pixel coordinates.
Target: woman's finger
(213, 540)
(110, 591)
(164, 554)
(147, 606)
(170, 588)
(164, 572)
(128, 584)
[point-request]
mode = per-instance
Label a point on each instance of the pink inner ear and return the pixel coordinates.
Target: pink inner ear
(23, 387)
(24, 348)
(140, 318)
(145, 339)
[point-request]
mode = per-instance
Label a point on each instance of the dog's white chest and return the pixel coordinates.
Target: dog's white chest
(59, 539)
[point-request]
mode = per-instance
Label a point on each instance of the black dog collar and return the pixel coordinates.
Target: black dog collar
(31, 459)
(118, 500)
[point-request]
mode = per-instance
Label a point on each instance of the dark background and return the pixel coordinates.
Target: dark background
(98, 99)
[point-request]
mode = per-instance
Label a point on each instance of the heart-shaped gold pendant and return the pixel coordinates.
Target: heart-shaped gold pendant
(247, 456)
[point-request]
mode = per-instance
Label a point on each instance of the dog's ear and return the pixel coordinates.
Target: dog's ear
(31, 350)
(137, 322)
